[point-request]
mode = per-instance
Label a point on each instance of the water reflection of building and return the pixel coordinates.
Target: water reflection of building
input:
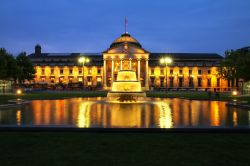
(165, 113)
(188, 70)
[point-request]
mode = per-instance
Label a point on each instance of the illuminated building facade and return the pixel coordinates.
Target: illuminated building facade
(187, 70)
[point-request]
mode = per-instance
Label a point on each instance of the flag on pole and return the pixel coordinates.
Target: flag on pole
(126, 24)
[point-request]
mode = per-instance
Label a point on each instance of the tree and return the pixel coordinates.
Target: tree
(3, 64)
(26, 70)
(244, 65)
(235, 66)
(8, 67)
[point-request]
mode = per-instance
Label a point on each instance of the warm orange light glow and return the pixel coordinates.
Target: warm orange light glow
(18, 117)
(126, 82)
(19, 91)
(165, 120)
(166, 60)
(234, 93)
(83, 60)
(83, 119)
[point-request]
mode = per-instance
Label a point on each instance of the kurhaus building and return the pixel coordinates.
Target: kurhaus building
(186, 71)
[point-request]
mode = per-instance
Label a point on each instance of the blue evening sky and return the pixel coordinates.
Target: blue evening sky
(208, 26)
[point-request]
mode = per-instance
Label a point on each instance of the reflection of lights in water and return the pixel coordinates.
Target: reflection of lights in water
(215, 114)
(165, 120)
(18, 117)
(235, 118)
(83, 119)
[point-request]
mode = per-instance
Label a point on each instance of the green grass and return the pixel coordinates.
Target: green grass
(124, 149)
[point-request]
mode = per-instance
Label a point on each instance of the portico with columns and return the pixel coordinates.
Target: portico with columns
(125, 53)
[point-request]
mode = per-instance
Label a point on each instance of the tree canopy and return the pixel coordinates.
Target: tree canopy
(26, 70)
(235, 66)
(8, 66)
(19, 68)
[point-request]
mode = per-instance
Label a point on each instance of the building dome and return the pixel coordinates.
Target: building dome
(125, 38)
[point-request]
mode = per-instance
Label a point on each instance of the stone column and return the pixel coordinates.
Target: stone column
(112, 71)
(139, 69)
(104, 74)
(146, 75)
(121, 64)
(130, 63)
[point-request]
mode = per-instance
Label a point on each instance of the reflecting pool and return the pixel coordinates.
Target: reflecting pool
(96, 113)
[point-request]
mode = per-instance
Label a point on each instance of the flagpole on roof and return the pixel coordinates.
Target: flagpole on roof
(126, 24)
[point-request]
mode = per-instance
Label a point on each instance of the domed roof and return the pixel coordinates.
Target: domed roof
(125, 38)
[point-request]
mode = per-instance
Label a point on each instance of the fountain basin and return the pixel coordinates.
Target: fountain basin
(126, 88)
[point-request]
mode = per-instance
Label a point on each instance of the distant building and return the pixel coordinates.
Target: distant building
(187, 71)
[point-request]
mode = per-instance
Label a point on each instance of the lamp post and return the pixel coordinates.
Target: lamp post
(166, 61)
(83, 60)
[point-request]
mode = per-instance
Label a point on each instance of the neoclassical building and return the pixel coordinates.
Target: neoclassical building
(187, 70)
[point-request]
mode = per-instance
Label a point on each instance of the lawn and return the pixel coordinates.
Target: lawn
(123, 149)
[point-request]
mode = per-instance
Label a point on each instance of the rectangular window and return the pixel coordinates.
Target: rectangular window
(80, 71)
(209, 82)
(61, 71)
(199, 72)
(70, 71)
(89, 71)
(152, 71)
(61, 79)
(180, 71)
(209, 72)
(180, 82)
(98, 71)
(191, 82)
(218, 82)
(199, 82)
(52, 71)
(152, 81)
(43, 72)
(70, 79)
(52, 80)
(162, 72)
(190, 72)
(162, 81)
(99, 79)
(171, 80)
(80, 79)
(171, 71)
(89, 79)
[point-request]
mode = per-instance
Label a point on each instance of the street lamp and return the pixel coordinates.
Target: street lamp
(83, 60)
(166, 61)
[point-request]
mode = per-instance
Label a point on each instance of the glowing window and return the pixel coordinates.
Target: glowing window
(99, 79)
(80, 79)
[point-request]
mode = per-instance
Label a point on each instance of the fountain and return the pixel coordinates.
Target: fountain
(126, 87)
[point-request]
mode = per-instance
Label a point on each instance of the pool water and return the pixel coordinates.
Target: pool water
(97, 113)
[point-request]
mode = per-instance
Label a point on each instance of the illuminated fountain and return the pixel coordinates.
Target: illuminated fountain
(126, 87)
